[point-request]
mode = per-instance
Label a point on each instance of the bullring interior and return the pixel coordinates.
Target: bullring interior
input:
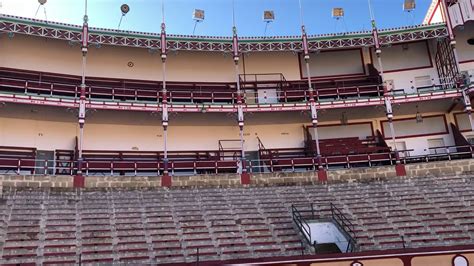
(353, 149)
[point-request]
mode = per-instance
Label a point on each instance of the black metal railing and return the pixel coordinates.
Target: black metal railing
(302, 224)
(310, 212)
(346, 226)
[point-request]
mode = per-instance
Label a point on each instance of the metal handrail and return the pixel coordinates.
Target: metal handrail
(224, 162)
(301, 223)
(297, 91)
(345, 224)
(337, 216)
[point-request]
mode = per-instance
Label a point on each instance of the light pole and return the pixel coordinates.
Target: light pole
(242, 169)
(79, 180)
(166, 178)
(399, 167)
(322, 174)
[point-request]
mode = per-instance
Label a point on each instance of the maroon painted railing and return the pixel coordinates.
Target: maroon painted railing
(22, 161)
(295, 91)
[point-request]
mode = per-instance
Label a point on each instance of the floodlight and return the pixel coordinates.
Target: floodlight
(338, 12)
(268, 16)
(198, 15)
(125, 9)
(338, 15)
(42, 2)
(409, 5)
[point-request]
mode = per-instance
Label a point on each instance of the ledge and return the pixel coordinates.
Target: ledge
(437, 169)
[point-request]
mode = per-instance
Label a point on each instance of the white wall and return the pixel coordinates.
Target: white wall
(463, 122)
(56, 56)
(467, 67)
(419, 145)
(56, 128)
(405, 80)
(272, 62)
(331, 63)
(44, 135)
(396, 57)
(362, 131)
(464, 50)
(402, 66)
(430, 125)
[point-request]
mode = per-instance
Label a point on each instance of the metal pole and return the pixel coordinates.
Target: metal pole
(240, 110)
(240, 116)
(165, 119)
(314, 116)
(388, 103)
(164, 95)
(82, 99)
(195, 24)
(314, 111)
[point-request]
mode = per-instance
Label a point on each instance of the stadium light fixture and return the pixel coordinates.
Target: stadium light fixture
(124, 9)
(409, 5)
(338, 12)
(198, 16)
(268, 17)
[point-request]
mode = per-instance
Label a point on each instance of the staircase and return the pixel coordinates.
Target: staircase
(333, 233)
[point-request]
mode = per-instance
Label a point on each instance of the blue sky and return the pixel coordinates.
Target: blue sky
(145, 15)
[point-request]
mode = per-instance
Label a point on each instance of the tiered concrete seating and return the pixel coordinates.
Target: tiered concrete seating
(184, 225)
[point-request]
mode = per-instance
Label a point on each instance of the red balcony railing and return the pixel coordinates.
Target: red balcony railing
(225, 93)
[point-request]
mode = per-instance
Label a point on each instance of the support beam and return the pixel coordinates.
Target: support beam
(322, 174)
(242, 167)
(166, 180)
(79, 180)
(399, 167)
